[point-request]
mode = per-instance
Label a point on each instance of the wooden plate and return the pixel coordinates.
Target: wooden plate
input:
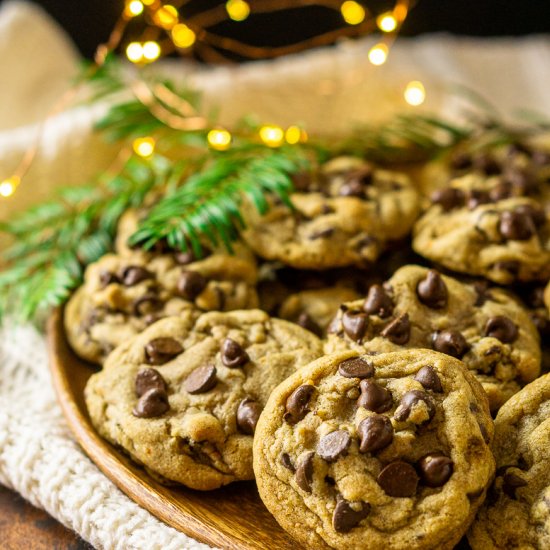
(233, 517)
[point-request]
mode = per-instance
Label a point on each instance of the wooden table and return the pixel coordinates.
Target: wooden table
(22, 526)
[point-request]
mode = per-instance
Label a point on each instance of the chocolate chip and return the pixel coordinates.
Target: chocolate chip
(188, 256)
(302, 181)
(502, 328)
(345, 518)
(107, 278)
(304, 472)
(429, 379)
(154, 402)
(448, 198)
(477, 197)
(146, 304)
(378, 302)
(374, 397)
(305, 321)
(375, 433)
(502, 190)
(147, 379)
(510, 266)
(511, 482)
(191, 284)
(450, 342)
(160, 350)
(482, 291)
(247, 415)
(522, 180)
(435, 469)
(355, 324)
(534, 212)
(287, 462)
(460, 161)
(516, 226)
(297, 402)
(322, 234)
(432, 291)
(398, 331)
(355, 367)
(233, 355)
(487, 164)
(201, 380)
(134, 274)
(334, 445)
(398, 479)
(411, 400)
(352, 188)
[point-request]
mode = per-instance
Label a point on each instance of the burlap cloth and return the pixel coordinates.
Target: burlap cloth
(331, 89)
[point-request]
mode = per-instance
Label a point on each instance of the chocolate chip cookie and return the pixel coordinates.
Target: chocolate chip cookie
(183, 397)
(344, 215)
(420, 308)
(385, 451)
(484, 226)
(122, 294)
(516, 513)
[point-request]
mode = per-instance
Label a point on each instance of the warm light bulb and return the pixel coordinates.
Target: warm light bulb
(183, 36)
(378, 54)
(238, 10)
(295, 134)
(352, 12)
(272, 135)
(386, 22)
(219, 139)
(151, 50)
(133, 8)
(148, 2)
(144, 146)
(134, 52)
(7, 187)
(415, 93)
(166, 17)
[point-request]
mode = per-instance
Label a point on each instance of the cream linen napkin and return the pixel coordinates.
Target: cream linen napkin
(332, 89)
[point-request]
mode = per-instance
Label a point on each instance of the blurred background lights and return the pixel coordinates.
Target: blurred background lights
(183, 36)
(7, 187)
(151, 51)
(144, 146)
(134, 52)
(134, 8)
(378, 54)
(386, 22)
(272, 136)
(166, 17)
(415, 93)
(295, 134)
(238, 10)
(352, 12)
(219, 139)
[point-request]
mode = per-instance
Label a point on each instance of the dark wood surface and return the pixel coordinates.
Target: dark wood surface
(22, 526)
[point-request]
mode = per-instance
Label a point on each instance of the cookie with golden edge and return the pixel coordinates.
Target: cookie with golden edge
(417, 307)
(183, 397)
(379, 451)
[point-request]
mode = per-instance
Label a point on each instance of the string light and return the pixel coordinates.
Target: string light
(272, 136)
(415, 93)
(238, 10)
(166, 17)
(151, 51)
(219, 139)
(148, 2)
(133, 8)
(295, 134)
(144, 146)
(134, 52)
(378, 54)
(352, 12)
(386, 22)
(183, 36)
(7, 187)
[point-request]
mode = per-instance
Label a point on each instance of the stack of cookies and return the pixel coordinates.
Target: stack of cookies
(372, 356)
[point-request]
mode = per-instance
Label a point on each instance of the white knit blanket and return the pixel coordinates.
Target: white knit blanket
(330, 89)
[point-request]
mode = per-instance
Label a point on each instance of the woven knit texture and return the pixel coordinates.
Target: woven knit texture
(332, 89)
